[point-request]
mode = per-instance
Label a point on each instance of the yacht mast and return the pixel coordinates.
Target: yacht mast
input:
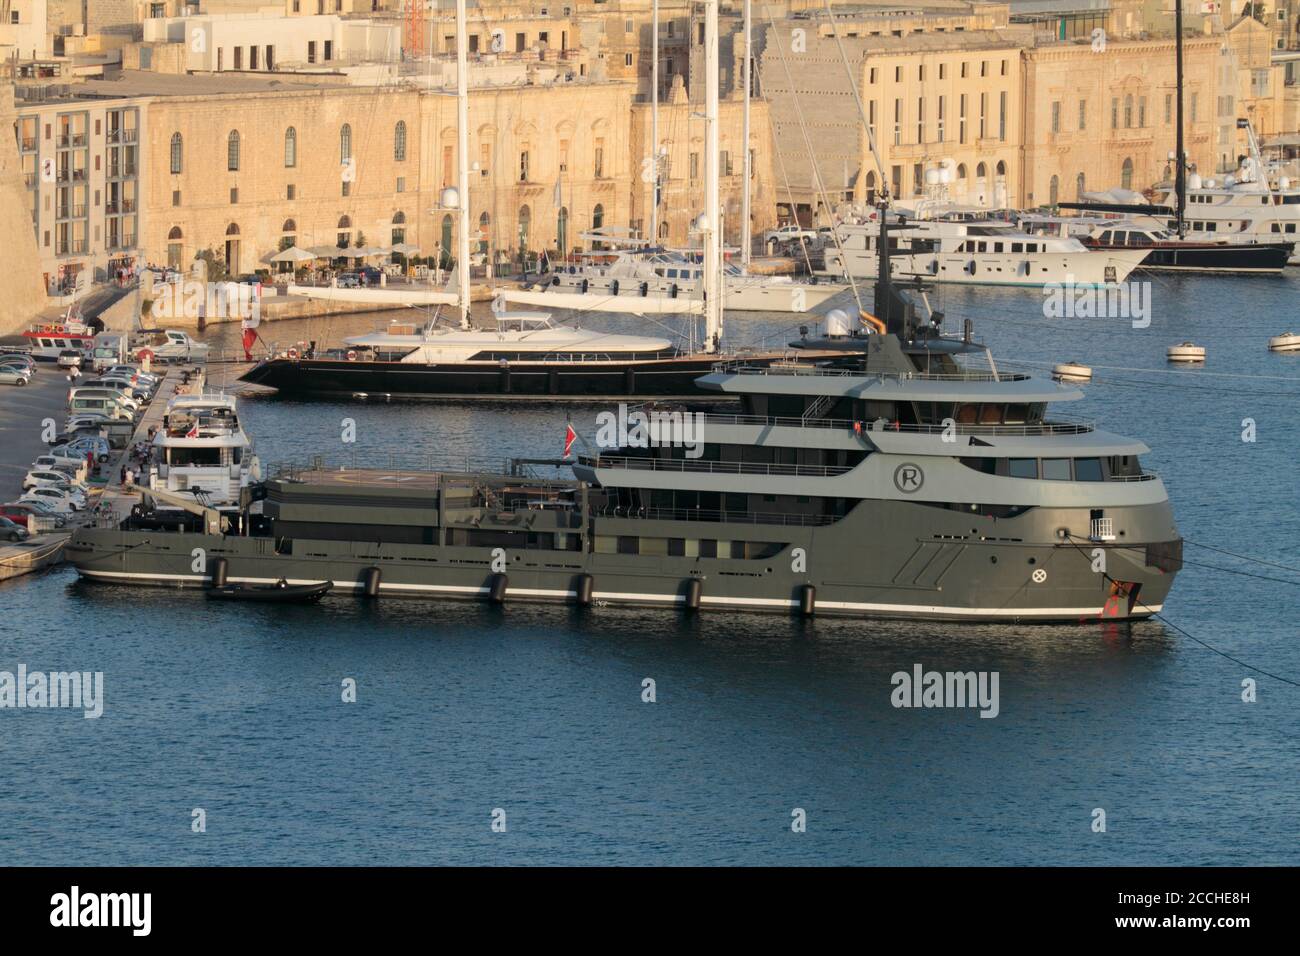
(746, 237)
(654, 121)
(462, 163)
(712, 225)
(1180, 162)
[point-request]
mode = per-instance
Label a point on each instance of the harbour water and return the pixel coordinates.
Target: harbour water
(464, 708)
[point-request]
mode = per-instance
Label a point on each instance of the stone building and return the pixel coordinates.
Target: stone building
(82, 176)
(23, 296)
(1098, 120)
(328, 166)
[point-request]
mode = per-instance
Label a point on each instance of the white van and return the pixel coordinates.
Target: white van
(104, 391)
(110, 408)
(110, 349)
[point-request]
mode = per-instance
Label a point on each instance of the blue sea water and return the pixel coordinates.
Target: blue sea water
(463, 708)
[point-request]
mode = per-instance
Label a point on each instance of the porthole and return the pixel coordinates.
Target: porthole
(1033, 560)
(993, 559)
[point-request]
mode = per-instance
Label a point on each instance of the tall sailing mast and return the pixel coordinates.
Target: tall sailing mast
(711, 224)
(1180, 161)
(462, 163)
(654, 121)
(746, 237)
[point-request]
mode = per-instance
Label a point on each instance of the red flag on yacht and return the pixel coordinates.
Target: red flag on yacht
(193, 432)
(569, 436)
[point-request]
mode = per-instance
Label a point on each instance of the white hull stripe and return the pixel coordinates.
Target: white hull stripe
(974, 612)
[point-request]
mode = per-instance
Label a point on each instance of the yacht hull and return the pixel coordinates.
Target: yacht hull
(995, 270)
(793, 297)
(546, 381)
(1255, 258)
(884, 560)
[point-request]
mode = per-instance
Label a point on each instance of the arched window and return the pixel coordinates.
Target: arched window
(289, 237)
(399, 227)
(981, 171)
(345, 143)
(1079, 187)
(1053, 191)
(232, 151)
(174, 247)
(344, 238)
(870, 184)
(1128, 111)
(525, 227)
(1001, 168)
(1126, 174)
(178, 153)
(562, 230)
(232, 230)
(290, 148)
(289, 226)
(663, 230)
(484, 231)
(598, 216)
(961, 171)
(399, 141)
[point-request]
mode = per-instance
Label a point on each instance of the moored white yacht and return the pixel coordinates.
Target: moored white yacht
(646, 279)
(952, 248)
(202, 447)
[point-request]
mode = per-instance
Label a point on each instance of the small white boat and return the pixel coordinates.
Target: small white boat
(1185, 352)
(1072, 372)
(1286, 342)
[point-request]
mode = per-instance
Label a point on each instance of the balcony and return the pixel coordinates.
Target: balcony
(698, 466)
(740, 367)
(75, 247)
(122, 135)
(71, 140)
(29, 180)
(71, 211)
(119, 207)
(72, 176)
(122, 171)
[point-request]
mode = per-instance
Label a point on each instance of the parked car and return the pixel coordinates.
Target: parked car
(788, 234)
(18, 361)
(53, 478)
(61, 501)
(130, 371)
(348, 280)
(58, 460)
(70, 358)
(369, 275)
(19, 511)
(76, 446)
(13, 532)
(10, 375)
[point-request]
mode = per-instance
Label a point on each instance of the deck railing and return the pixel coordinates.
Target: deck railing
(715, 467)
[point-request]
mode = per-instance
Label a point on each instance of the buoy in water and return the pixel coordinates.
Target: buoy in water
(1185, 352)
(1071, 372)
(1286, 342)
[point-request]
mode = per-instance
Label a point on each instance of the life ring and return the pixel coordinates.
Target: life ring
(352, 355)
(58, 330)
(292, 354)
